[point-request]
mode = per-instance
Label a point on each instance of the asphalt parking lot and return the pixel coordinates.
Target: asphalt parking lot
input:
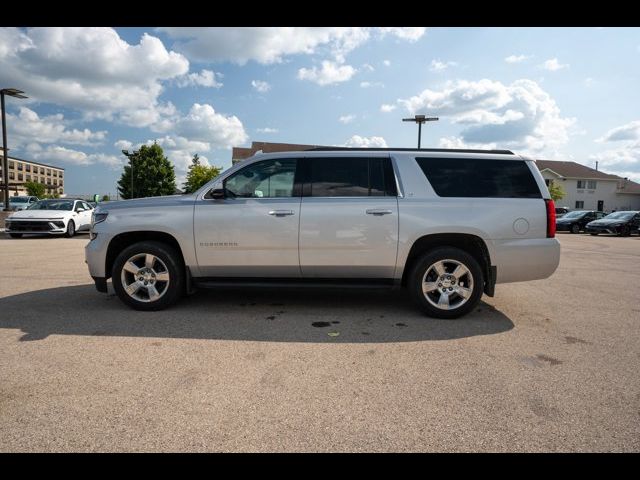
(549, 365)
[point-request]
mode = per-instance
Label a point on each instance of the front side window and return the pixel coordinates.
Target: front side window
(350, 177)
(477, 178)
(266, 179)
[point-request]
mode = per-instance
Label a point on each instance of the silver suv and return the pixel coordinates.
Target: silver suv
(446, 224)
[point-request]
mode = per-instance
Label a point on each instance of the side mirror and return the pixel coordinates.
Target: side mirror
(217, 194)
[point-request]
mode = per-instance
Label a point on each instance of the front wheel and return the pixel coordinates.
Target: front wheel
(71, 229)
(625, 231)
(446, 283)
(148, 276)
(575, 228)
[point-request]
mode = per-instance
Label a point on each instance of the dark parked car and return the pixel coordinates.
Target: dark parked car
(561, 211)
(576, 221)
(618, 223)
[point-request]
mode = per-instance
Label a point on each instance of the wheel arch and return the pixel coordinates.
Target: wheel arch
(472, 244)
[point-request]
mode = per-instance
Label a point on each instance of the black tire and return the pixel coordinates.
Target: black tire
(625, 231)
(425, 262)
(594, 233)
(71, 229)
(175, 269)
(575, 228)
(15, 235)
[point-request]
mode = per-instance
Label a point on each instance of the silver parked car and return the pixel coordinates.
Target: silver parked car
(446, 224)
(21, 202)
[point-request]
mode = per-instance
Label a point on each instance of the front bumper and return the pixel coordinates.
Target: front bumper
(54, 227)
(563, 227)
(615, 230)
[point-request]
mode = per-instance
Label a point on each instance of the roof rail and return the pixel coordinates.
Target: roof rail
(360, 149)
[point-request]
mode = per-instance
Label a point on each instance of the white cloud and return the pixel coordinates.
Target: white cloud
(386, 63)
(366, 142)
(204, 124)
(267, 130)
(269, 45)
(123, 145)
(90, 69)
(371, 84)
(623, 161)
(520, 115)
(261, 86)
(386, 107)
(553, 65)
(28, 127)
(516, 58)
(439, 66)
(368, 67)
(206, 78)
(56, 153)
(589, 82)
(629, 131)
(412, 34)
(329, 73)
(347, 118)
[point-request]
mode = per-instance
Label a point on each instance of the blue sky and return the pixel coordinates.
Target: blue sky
(552, 93)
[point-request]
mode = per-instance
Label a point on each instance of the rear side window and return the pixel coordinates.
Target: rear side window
(349, 177)
(469, 177)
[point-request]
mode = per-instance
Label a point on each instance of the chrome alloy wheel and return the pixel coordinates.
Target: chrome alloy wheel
(145, 277)
(447, 284)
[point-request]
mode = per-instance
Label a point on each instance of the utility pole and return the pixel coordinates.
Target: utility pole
(420, 119)
(12, 92)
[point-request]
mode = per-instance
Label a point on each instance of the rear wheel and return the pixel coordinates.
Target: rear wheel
(575, 228)
(446, 283)
(625, 231)
(15, 235)
(148, 276)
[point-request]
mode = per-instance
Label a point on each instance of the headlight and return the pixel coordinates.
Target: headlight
(97, 217)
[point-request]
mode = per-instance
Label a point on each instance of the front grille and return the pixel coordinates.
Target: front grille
(29, 226)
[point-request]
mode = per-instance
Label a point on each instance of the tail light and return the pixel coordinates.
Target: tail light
(551, 218)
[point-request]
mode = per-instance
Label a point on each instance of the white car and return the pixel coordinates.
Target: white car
(61, 216)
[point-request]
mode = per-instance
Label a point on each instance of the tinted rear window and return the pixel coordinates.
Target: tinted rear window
(350, 177)
(469, 177)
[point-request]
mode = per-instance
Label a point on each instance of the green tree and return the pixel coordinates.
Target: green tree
(556, 191)
(105, 198)
(35, 189)
(199, 174)
(153, 173)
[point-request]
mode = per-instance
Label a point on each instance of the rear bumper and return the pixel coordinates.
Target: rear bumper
(525, 259)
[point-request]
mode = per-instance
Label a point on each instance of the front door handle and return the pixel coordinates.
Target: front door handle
(281, 213)
(378, 211)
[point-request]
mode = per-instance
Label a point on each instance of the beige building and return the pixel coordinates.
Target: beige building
(21, 171)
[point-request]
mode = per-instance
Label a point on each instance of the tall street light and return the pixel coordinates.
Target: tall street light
(131, 157)
(12, 92)
(420, 119)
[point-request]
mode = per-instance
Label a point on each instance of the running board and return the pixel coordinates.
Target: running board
(231, 282)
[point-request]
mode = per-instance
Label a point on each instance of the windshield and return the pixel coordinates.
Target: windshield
(52, 205)
(18, 199)
(574, 214)
(620, 215)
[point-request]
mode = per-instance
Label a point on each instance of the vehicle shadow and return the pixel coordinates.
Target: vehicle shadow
(357, 316)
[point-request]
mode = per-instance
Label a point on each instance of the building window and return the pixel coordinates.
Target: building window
(60, 182)
(55, 173)
(41, 171)
(592, 184)
(12, 176)
(11, 165)
(19, 177)
(547, 182)
(582, 184)
(60, 175)
(27, 167)
(48, 171)
(579, 204)
(20, 166)
(28, 178)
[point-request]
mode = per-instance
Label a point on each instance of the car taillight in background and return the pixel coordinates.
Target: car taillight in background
(551, 218)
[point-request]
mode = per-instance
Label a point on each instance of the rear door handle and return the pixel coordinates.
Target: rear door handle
(378, 211)
(281, 213)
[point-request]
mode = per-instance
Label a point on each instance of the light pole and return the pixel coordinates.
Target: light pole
(12, 92)
(420, 119)
(131, 157)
